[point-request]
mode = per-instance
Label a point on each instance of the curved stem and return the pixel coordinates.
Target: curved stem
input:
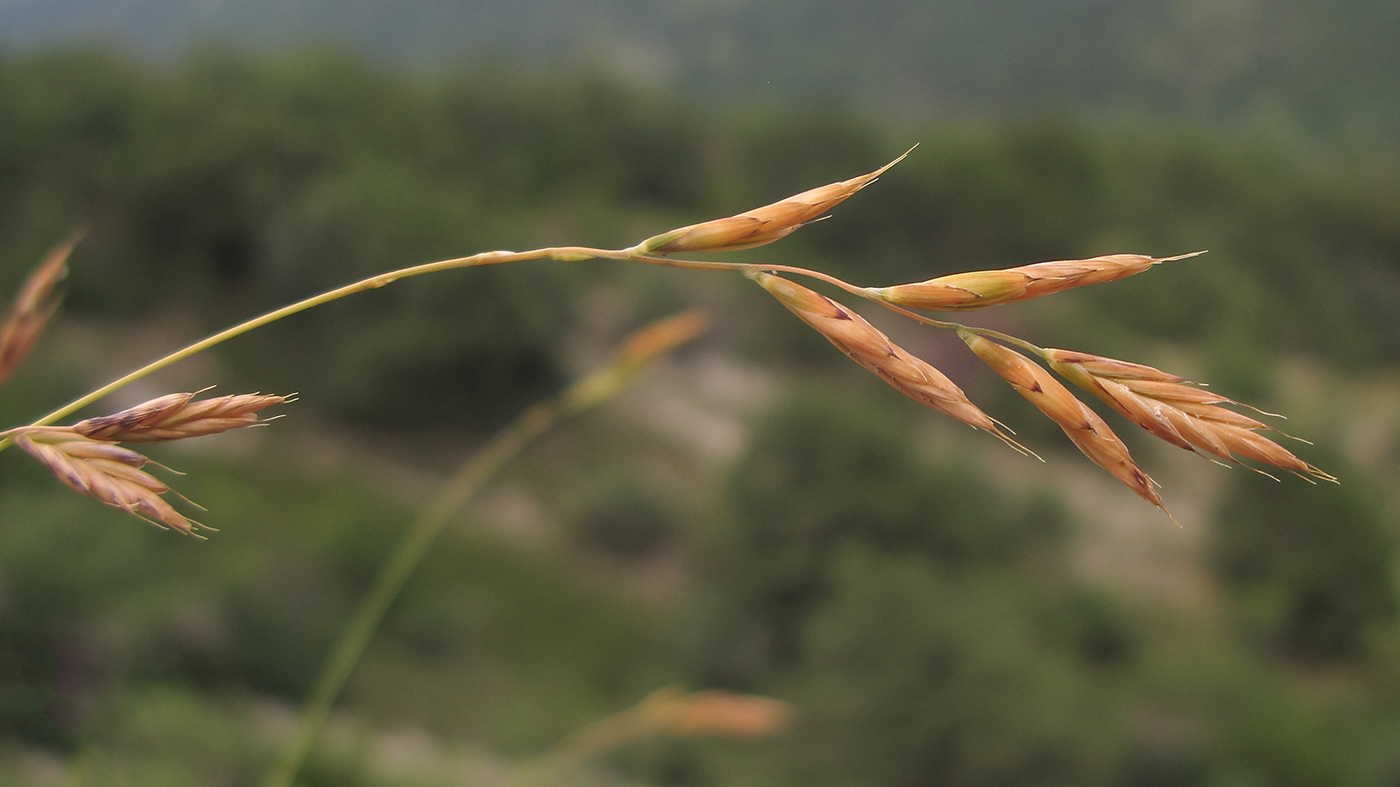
(652, 259)
(953, 326)
(562, 253)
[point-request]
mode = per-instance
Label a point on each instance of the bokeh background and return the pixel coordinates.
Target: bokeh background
(759, 515)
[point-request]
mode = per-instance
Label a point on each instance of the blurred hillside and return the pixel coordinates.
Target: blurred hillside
(1310, 67)
(760, 515)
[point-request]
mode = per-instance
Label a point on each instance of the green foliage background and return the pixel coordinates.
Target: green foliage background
(925, 598)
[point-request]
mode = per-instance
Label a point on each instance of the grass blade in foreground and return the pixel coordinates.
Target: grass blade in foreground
(638, 352)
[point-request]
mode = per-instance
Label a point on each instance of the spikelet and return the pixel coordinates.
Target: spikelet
(673, 712)
(874, 351)
(106, 472)
(178, 416)
(759, 226)
(980, 289)
(1173, 409)
(33, 307)
(1083, 426)
(639, 350)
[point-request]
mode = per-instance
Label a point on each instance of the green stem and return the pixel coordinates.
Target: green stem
(458, 490)
(563, 253)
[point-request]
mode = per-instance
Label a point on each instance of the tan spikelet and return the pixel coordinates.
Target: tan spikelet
(178, 416)
(638, 351)
(980, 289)
(33, 307)
(106, 472)
(874, 351)
(714, 714)
(759, 226)
(1083, 426)
(658, 338)
(1172, 408)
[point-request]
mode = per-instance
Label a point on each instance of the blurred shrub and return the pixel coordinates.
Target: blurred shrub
(914, 678)
(628, 522)
(830, 469)
(1309, 568)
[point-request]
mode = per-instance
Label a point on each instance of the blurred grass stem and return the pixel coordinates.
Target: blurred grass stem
(594, 389)
(468, 479)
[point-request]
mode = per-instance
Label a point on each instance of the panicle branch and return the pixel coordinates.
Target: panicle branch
(873, 351)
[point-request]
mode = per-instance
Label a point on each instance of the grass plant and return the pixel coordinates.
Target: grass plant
(91, 455)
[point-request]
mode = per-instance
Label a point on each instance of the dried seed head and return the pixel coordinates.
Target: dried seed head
(874, 351)
(980, 289)
(105, 472)
(759, 226)
(178, 416)
(1083, 426)
(1171, 408)
(33, 307)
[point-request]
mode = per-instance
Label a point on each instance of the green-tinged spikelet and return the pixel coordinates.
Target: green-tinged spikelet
(980, 289)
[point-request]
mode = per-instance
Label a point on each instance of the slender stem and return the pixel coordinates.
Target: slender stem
(953, 326)
(563, 253)
(584, 394)
(652, 259)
